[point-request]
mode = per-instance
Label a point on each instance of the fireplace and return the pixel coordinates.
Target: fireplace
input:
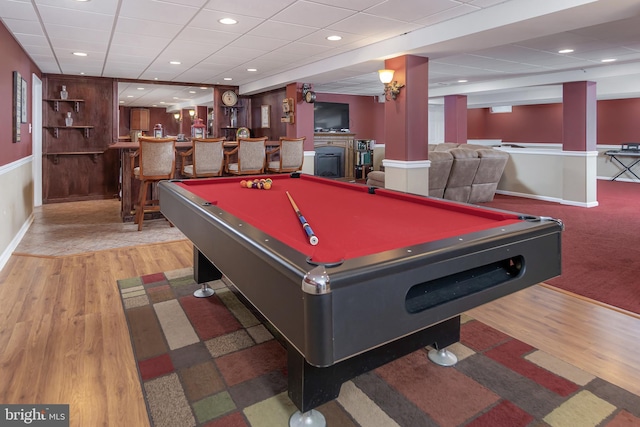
(329, 162)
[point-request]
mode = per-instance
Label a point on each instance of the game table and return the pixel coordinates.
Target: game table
(391, 271)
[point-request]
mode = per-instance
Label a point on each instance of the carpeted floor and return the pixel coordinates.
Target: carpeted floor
(210, 362)
(600, 249)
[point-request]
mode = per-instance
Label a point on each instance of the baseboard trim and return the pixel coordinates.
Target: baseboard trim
(6, 254)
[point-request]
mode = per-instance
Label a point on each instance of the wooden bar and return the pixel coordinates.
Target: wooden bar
(129, 187)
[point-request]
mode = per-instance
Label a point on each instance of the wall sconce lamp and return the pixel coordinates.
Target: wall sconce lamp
(192, 114)
(177, 117)
(391, 88)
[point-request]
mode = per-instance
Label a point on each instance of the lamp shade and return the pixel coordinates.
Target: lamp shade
(385, 76)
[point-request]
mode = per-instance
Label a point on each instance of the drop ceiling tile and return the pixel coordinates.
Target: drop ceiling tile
(158, 11)
(142, 27)
(20, 26)
(264, 44)
(191, 34)
(103, 6)
(29, 40)
(410, 10)
(283, 30)
(366, 24)
(255, 8)
(18, 10)
(208, 20)
(321, 15)
(447, 15)
(72, 18)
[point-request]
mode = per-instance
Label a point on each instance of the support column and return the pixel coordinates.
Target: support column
(455, 118)
(406, 127)
(579, 127)
(302, 125)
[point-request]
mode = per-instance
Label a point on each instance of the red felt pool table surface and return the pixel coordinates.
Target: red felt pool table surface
(348, 221)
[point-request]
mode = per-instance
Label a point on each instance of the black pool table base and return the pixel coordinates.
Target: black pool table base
(311, 386)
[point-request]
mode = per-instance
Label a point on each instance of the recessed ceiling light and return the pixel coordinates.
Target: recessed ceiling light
(175, 97)
(121, 102)
(608, 60)
(204, 88)
(228, 78)
(252, 69)
(129, 96)
(462, 81)
(334, 38)
(565, 51)
(79, 54)
(192, 91)
(140, 88)
(175, 62)
(155, 78)
(227, 21)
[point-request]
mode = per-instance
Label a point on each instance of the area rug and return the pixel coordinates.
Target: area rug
(211, 362)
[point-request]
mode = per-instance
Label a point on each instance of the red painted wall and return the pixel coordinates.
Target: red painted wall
(618, 122)
(13, 59)
(526, 123)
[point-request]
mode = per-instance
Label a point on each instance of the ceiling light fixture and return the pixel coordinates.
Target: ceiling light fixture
(565, 51)
(140, 88)
(334, 38)
(391, 88)
(252, 70)
(608, 60)
(228, 78)
(462, 81)
(227, 21)
(175, 62)
(79, 54)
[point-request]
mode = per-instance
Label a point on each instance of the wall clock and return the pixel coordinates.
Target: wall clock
(229, 98)
(308, 95)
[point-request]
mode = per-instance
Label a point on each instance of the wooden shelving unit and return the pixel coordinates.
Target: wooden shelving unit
(56, 103)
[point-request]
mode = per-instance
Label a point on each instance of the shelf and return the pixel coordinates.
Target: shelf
(56, 129)
(56, 156)
(56, 103)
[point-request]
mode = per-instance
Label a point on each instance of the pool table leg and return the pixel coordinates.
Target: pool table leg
(203, 272)
(311, 386)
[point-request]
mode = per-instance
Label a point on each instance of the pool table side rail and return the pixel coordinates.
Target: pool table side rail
(367, 293)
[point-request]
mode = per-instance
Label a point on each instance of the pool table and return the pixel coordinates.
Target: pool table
(391, 271)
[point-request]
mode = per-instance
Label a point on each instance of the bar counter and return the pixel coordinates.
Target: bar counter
(129, 186)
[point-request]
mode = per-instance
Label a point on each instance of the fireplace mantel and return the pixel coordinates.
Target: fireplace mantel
(338, 139)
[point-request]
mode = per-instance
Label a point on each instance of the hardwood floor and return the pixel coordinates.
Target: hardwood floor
(63, 333)
(64, 338)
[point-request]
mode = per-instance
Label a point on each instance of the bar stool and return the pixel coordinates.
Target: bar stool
(157, 162)
(207, 155)
(291, 156)
(251, 157)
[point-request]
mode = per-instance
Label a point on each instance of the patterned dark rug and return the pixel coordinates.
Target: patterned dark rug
(210, 362)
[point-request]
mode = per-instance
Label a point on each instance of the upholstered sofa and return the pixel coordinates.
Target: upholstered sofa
(461, 172)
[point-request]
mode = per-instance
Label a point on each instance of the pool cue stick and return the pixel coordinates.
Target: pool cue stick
(305, 225)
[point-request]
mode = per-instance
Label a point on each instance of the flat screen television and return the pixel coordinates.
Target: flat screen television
(330, 116)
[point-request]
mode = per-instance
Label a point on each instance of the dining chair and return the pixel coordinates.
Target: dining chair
(156, 162)
(287, 156)
(251, 157)
(207, 158)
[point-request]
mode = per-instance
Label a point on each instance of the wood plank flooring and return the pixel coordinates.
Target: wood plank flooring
(63, 333)
(64, 338)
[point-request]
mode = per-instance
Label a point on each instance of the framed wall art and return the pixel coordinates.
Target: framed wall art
(23, 102)
(17, 105)
(265, 116)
